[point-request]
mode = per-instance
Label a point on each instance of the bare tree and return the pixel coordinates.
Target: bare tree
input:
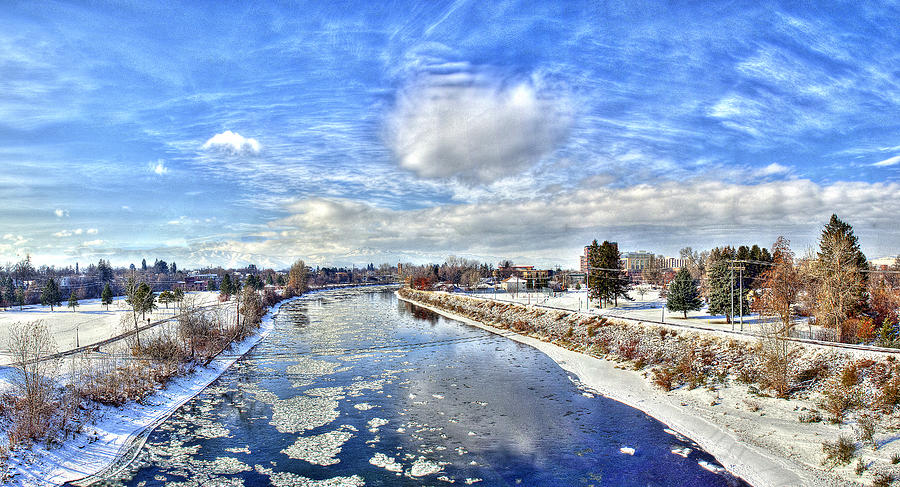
(31, 344)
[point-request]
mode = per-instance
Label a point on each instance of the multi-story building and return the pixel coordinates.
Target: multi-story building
(637, 261)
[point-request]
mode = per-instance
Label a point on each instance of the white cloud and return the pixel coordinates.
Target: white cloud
(232, 143)
(669, 216)
(77, 231)
(92, 243)
(773, 169)
(159, 168)
(59, 212)
(126, 208)
(888, 162)
(476, 131)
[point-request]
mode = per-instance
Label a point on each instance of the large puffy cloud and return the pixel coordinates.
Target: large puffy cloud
(457, 125)
(232, 143)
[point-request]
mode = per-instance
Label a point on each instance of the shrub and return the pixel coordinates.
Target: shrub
(664, 377)
(849, 376)
(839, 452)
(865, 429)
(810, 417)
(895, 458)
(860, 467)
(883, 480)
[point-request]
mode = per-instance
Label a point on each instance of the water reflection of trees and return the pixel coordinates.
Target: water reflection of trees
(419, 312)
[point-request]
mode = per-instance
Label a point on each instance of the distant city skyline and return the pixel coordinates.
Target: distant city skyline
(224, 134)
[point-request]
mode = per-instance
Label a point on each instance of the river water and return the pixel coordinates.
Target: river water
(355, 387)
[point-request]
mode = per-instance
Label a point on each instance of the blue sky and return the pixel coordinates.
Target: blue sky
(350, 132)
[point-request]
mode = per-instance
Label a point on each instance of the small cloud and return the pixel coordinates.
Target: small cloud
(232, 143)
(63, 233)
(78, 231)
(126, 208)
(159, 168)
(60, 212)
(773, 169)
(888, 162)
(91, 231)
(92, 243)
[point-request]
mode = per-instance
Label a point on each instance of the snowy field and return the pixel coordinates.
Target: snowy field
(90, 323)
(649, 307)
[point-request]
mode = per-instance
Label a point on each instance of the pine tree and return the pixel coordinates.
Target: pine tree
(226, 289)
(50, 294)
(722, 284)
(839, 277)
(617, 283)
(20, 297)
(683, 293)
(73, 300)
(107, 296)
(144, 265)
(595, 283)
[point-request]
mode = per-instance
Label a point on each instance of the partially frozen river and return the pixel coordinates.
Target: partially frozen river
(357, 388)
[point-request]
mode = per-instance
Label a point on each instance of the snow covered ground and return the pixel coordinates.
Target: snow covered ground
(90, 323)
(115, 430)
(649, 307)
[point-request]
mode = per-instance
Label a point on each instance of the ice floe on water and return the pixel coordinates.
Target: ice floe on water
(243, 449)
(711, 467)
(627, 450)
(388, 463)
(422, 467)
(470, 481)
(319, 449)
(287, 479)
(363, 406)
(376, 423)
(682, 452)
(301, 413)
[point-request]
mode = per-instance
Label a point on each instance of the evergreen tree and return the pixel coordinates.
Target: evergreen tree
(20, 297)
(107, 296)
(174, 268)
(594, 282)
(50, 294)
(144, 265)
(683, 294)
(211, 285)
(616, 282)
(839, 277)
(226, 289)
(73, 300)
(165, 297)
(722, 284)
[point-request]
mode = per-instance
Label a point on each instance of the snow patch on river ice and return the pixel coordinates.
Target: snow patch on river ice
(301, 413)
(388, 463)
(376, 423)
(422, 467)
(319, 449)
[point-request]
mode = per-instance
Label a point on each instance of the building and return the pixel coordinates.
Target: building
(532, 278)
(514, 284)
(637, 261)
(675, 263)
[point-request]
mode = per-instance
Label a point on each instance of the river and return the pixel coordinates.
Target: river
(355, 387)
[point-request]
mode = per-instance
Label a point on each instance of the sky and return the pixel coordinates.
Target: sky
(228, 133)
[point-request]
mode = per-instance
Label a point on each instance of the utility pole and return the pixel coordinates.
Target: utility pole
(732, 296)
(741, 302)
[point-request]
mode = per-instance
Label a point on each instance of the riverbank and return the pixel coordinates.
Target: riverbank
(756, 437)
(117, 431)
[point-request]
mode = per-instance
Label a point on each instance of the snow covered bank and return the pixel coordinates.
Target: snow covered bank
(758, 438)
(120, 431)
